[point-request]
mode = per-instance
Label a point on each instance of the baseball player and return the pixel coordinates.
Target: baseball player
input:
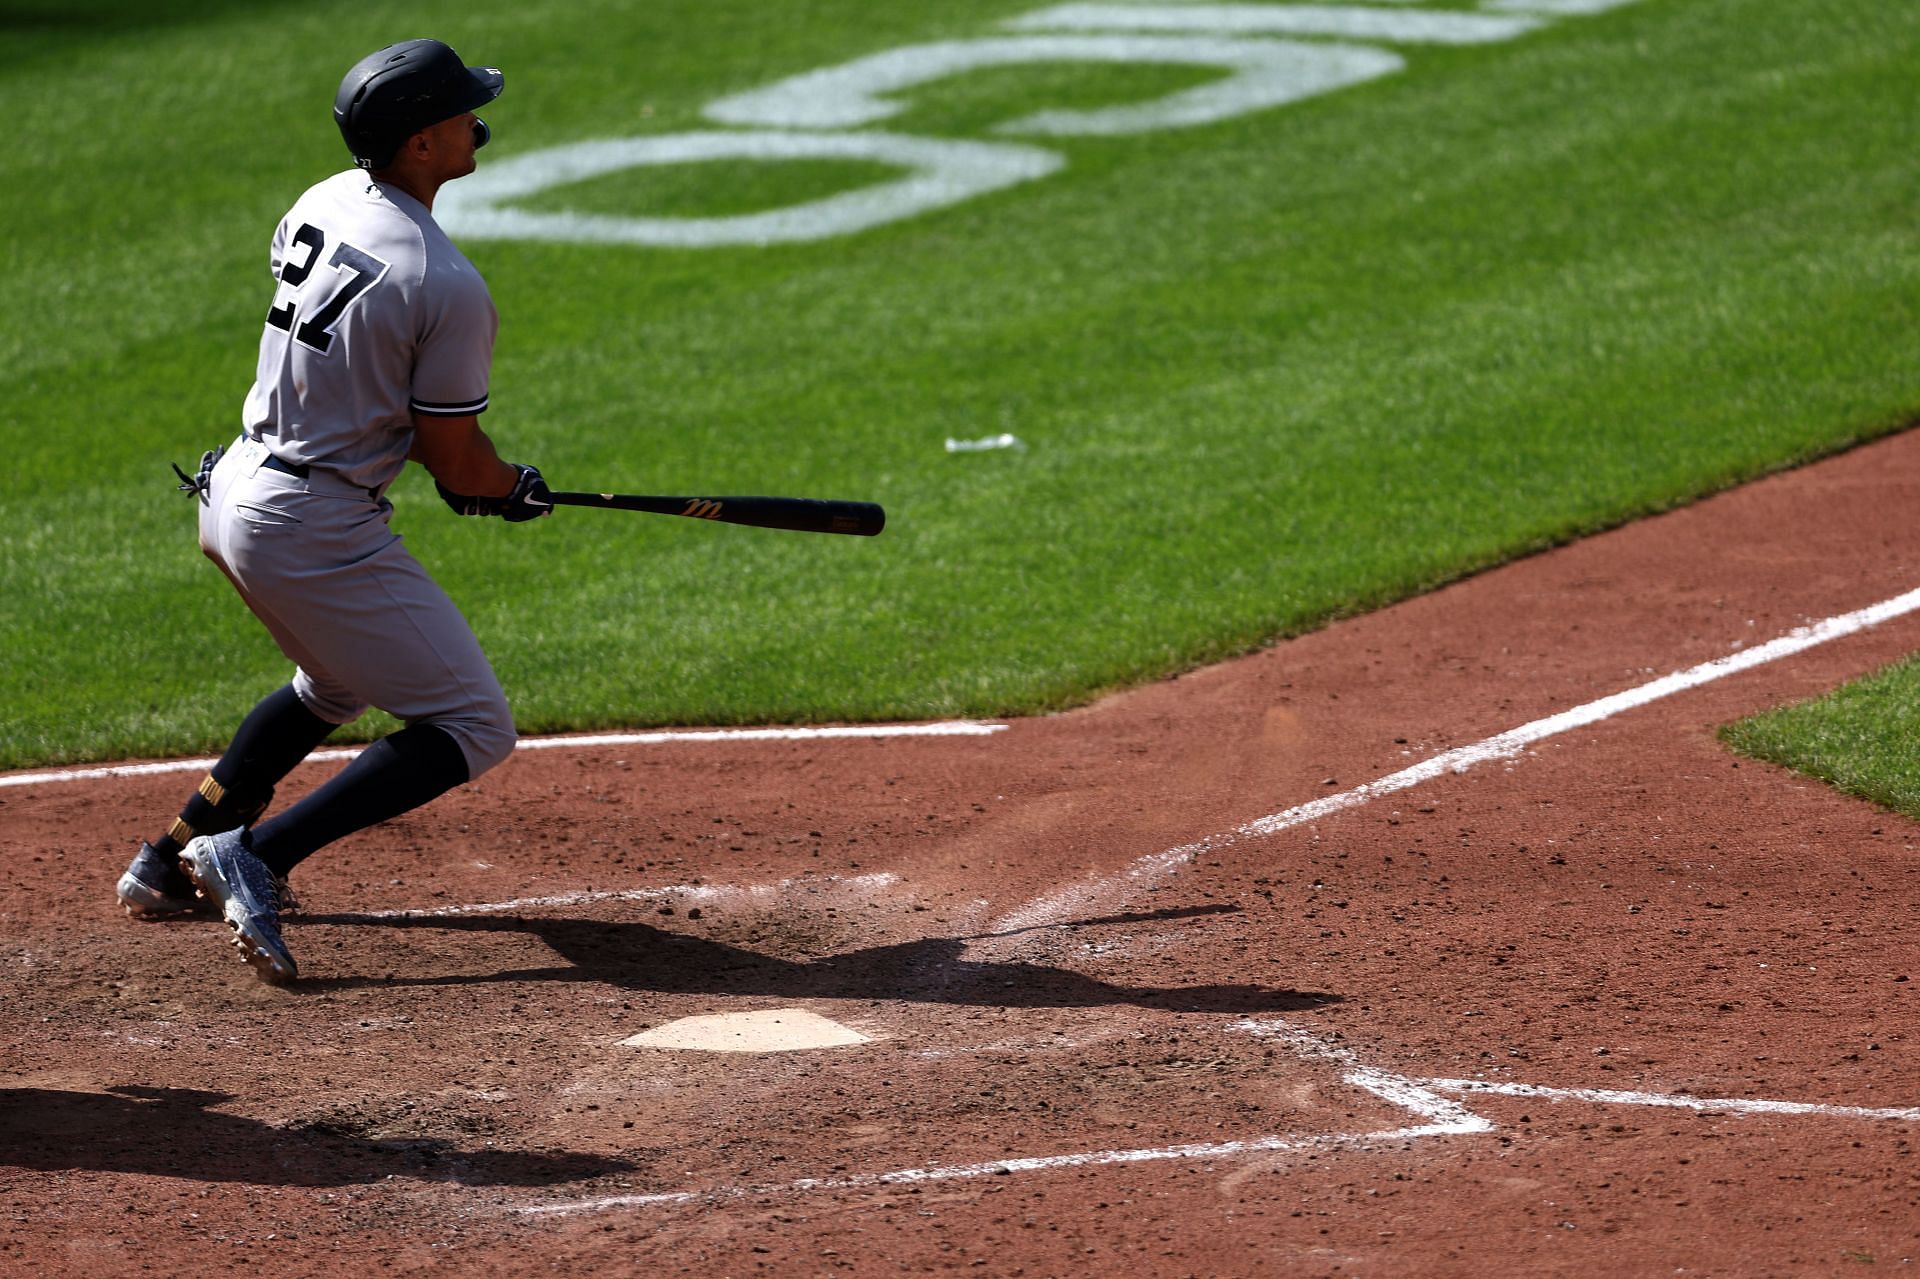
(376, 350)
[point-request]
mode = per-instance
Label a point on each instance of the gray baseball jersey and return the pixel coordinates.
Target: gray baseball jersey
(376, 317)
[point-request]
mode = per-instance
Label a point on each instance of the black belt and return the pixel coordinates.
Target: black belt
(327, 481)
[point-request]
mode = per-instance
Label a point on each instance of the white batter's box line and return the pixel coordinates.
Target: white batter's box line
(1399, 1090)
(856, 886)
(1306, 1043)
(951, 728)
(1157, 866)
(1675, 1101)
(1443, 1118)
(999, 1168)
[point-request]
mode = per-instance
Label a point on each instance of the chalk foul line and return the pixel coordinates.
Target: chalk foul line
(951, 728)
(1156, 866)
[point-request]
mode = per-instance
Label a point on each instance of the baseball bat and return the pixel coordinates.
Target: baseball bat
(799, 514)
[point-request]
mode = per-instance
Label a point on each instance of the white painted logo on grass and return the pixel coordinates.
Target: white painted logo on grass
(1357, 22)
(1264, 73)
(940, 172)
(1557, 8)
(1261, 72)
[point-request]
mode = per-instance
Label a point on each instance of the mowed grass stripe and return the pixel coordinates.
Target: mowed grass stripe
(1270, 372)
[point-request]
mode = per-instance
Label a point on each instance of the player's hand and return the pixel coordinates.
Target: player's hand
(461, 503)
(530, 498)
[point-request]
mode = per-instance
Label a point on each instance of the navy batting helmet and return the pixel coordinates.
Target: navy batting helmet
(391, 95)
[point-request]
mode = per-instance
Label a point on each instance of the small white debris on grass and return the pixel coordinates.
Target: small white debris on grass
(1001, 441)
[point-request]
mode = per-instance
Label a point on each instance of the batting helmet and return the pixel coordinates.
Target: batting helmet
(391, 95)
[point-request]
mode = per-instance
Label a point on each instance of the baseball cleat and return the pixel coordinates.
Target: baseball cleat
(154, 887)
(241, 887)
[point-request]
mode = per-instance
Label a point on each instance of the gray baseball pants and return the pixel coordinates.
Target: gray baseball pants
(317, 562)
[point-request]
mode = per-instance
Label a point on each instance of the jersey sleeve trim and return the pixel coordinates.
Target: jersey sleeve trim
(466, 408)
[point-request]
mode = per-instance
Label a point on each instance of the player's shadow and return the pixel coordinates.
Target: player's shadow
(170, 1132)
(640, 956)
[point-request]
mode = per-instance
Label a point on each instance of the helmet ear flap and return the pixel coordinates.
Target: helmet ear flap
(357, 112)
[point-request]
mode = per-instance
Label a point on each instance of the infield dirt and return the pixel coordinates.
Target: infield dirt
(1625, 907)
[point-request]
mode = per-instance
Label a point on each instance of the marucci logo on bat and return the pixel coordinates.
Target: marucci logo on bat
(703, 508)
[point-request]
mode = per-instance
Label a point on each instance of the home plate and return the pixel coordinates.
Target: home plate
(770, 1030)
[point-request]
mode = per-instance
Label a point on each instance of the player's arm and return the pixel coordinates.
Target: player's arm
(460, 455)
(469, 474)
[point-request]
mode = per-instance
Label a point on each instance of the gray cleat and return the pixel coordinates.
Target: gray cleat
(241, 887)
(154, 887)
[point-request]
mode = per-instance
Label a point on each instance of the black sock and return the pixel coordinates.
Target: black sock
(392, 776)
(275, 736)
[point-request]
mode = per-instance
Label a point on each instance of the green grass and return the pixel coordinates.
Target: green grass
(1270, 372)
(1859, 737)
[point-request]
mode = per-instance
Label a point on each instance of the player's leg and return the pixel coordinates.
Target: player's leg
(396, 774)
(244, 870)
(274, 541)
(371, 627)
(431, 673)
(405, 647)
(248, 896)
(278, 733)
(275, 736)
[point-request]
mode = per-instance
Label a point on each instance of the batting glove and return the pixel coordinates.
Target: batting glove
(529, 499)
(200, 484)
